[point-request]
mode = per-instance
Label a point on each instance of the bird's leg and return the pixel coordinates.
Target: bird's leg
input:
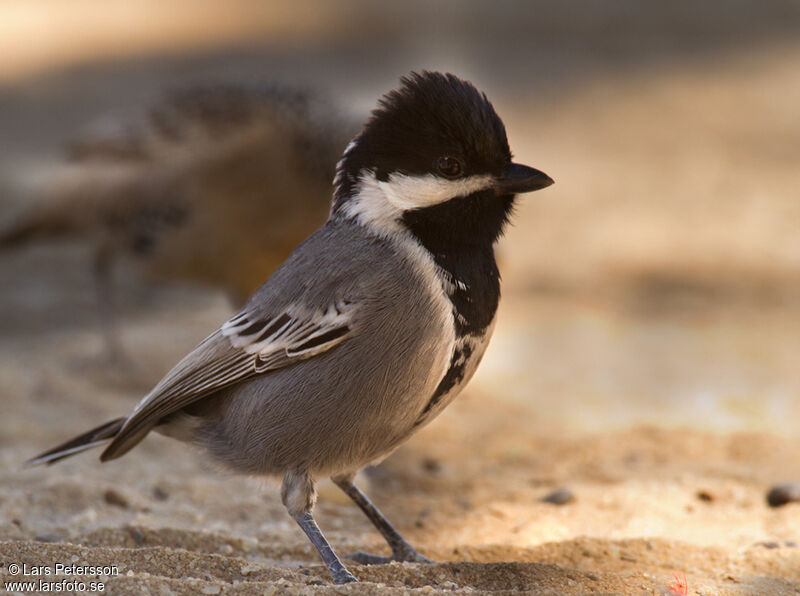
(299, 495)
(401, 550)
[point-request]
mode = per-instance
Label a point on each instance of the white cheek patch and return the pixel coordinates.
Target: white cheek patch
(381, 204)
(412, 192)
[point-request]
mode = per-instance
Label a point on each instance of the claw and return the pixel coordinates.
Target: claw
(344, 578)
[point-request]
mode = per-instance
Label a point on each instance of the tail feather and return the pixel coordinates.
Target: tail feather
(37, 223)
(18, 234)
(93, 438)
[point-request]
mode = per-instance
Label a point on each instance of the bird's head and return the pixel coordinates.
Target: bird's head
(433, 157)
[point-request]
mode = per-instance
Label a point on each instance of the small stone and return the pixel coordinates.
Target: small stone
(46, 538)
(137, 535)
(432, 466)
(249, 568)
(249, 544)
(212, 589)
(560, 496)
(705, 496)
(781, 494)
(112, 497)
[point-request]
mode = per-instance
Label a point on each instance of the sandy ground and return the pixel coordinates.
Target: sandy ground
(645, 357)
(648, 502)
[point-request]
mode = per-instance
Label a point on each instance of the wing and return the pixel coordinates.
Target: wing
(293, 335)
(247, 345)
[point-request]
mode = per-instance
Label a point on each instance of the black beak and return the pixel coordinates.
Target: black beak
(520, 179)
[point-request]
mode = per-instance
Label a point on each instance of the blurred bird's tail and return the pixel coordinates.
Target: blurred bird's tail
(17, 234)
(93, 438)
(35, 224)
(59, 203)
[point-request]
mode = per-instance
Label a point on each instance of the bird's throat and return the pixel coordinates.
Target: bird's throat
(460, 235)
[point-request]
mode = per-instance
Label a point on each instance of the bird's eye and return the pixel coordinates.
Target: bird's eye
(449, 166)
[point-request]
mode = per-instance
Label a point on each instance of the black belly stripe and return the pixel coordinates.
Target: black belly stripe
(460, 235)
(453, 376)
(474, 295)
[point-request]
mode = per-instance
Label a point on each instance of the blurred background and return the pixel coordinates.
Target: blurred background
(647, 351)
(657, 282)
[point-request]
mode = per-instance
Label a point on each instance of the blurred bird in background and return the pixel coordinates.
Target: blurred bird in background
(215, 185)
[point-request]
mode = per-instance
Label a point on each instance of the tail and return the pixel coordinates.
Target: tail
(30, 227)
(84, 442)
(62, 204)
(17, 235)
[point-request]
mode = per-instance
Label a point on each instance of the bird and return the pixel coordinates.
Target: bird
(369, 329)
(214, 184)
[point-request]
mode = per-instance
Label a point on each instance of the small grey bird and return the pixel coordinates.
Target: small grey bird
(370, 328)
(214, 184)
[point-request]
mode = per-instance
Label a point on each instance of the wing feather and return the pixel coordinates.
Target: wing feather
(245, 346)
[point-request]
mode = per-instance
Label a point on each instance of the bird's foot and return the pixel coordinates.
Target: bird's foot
(343, 576)
(406, 554)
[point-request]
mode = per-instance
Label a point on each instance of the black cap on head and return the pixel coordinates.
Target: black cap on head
(429, 117)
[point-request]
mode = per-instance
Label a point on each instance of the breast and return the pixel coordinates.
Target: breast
(467, 354)
(472, 285)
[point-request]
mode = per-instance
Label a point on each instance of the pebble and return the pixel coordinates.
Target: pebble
(774, 544)
(781, 494)
(249, 568)
(560, 496)
(112, 497)
(47, 538)
(705, 496)
(249, 544)
(136, 534)
(432, 466)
